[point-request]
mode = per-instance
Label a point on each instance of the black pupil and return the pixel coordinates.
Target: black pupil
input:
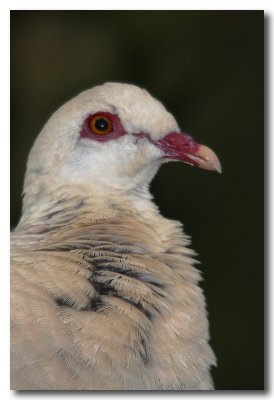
(101, 124)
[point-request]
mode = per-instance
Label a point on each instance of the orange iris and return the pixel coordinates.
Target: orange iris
(100, 125)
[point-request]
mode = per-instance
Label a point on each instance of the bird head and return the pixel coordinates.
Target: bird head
(113, 137)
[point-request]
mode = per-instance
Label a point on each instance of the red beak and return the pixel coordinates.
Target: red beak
(181, 147)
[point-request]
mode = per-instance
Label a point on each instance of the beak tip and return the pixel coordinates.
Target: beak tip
(218, 167)
(208, 159)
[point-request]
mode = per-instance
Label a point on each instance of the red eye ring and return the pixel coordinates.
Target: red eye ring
(99, 124)
(90, 126)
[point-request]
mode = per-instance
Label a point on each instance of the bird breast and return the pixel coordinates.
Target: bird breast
(108, 295)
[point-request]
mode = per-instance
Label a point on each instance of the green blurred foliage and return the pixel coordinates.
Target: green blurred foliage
(207, 68)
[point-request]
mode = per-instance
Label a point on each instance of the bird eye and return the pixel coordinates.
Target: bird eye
(100, 125)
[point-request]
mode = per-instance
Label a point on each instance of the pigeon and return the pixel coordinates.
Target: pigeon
(104, 290)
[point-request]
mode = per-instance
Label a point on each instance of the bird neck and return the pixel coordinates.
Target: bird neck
(63, 206)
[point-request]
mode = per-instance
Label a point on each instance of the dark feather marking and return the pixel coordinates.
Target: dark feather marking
(144, 354)
(36, 170)
(102, 288)
(144, 277)
(63, 302)
(60, 302)
(64, 210)
(89, 244)
(66, 301)
(137, 305)
(105, 289)
(96, 304)
(37, 230)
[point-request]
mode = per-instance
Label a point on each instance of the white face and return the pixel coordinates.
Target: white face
(119, 162)
(122, 163)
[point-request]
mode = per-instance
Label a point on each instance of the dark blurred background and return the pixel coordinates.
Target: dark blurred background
(207, 68)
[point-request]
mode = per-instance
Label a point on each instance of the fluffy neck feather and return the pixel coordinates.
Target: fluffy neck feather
(59, 205)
